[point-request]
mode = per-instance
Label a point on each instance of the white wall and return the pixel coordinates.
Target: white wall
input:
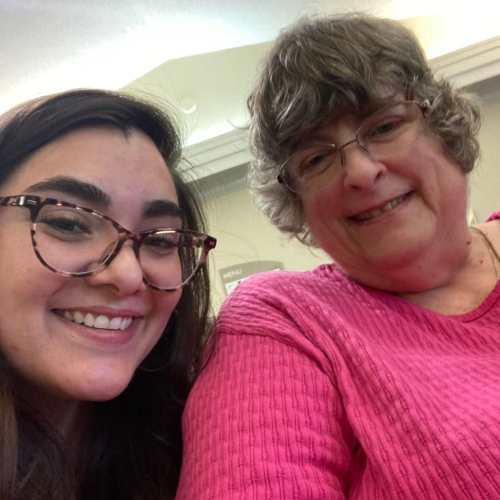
(485, 180)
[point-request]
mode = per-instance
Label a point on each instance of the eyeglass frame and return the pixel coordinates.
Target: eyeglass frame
(423, 106)
(35, 203)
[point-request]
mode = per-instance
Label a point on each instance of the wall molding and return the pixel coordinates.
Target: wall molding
(472, 64)
(216, 155)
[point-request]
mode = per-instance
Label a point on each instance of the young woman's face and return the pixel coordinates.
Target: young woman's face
(51, 354)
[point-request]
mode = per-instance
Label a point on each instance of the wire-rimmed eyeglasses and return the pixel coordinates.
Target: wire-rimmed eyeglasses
(76, 241)
(387, 132)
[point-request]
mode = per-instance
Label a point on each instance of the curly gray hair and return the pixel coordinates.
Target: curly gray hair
(322, 67)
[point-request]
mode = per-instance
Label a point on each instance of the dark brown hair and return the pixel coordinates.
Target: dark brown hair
(133, 447)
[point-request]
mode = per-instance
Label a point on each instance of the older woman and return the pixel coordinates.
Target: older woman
(377, 376)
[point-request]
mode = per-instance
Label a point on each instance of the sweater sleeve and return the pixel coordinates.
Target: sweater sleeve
(264, 420)
(494, 216)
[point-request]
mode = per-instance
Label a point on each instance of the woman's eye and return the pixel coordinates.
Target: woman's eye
(384, 129)
(160, 244)
(66, 225)
(316, 162)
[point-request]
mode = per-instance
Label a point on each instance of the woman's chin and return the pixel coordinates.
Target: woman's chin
(106, 394)
(392, 270)
(102, 388)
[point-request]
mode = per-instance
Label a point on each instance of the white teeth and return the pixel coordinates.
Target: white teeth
(115, 323)
(125, 323)
(379, 211)
(100, 321)
(89, 320)
(78, 317)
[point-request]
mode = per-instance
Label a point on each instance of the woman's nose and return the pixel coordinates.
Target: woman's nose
(124, 273)
(361, 171)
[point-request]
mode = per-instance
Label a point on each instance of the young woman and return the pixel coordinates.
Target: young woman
(105, 298)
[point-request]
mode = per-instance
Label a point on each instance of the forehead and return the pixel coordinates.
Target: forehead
(346, 119)
(115, 162)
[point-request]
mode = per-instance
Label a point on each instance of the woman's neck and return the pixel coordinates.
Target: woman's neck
(468, 284)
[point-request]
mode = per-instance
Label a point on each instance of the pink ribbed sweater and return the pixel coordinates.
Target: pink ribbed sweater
(319, 388)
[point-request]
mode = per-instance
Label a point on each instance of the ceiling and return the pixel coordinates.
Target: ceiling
(201, 56)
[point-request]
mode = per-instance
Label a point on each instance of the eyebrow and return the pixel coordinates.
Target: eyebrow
(315, 139)
(91, 194)
(157, 208)
(88, 193)
(318, 137)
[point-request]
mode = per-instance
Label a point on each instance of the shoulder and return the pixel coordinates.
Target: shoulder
(285, 289)
(494, 216)
(292, 307)
(278, 315)
(492, 229)
(320, 294)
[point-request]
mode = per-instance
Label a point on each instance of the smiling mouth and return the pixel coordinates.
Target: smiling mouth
(97, 321)
(377, 212)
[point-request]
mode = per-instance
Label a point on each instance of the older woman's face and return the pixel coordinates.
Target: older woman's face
(380, 218)
(51, 351)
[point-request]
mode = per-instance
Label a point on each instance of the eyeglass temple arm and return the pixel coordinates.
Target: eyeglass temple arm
(210, 243)
(32, 203)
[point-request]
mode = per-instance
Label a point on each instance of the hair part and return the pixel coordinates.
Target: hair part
(324, 67)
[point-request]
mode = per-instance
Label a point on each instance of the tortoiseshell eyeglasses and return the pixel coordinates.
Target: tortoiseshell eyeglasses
(77, 241)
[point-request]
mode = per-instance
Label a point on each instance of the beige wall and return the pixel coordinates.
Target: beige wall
(244, 234)
(485, 180)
